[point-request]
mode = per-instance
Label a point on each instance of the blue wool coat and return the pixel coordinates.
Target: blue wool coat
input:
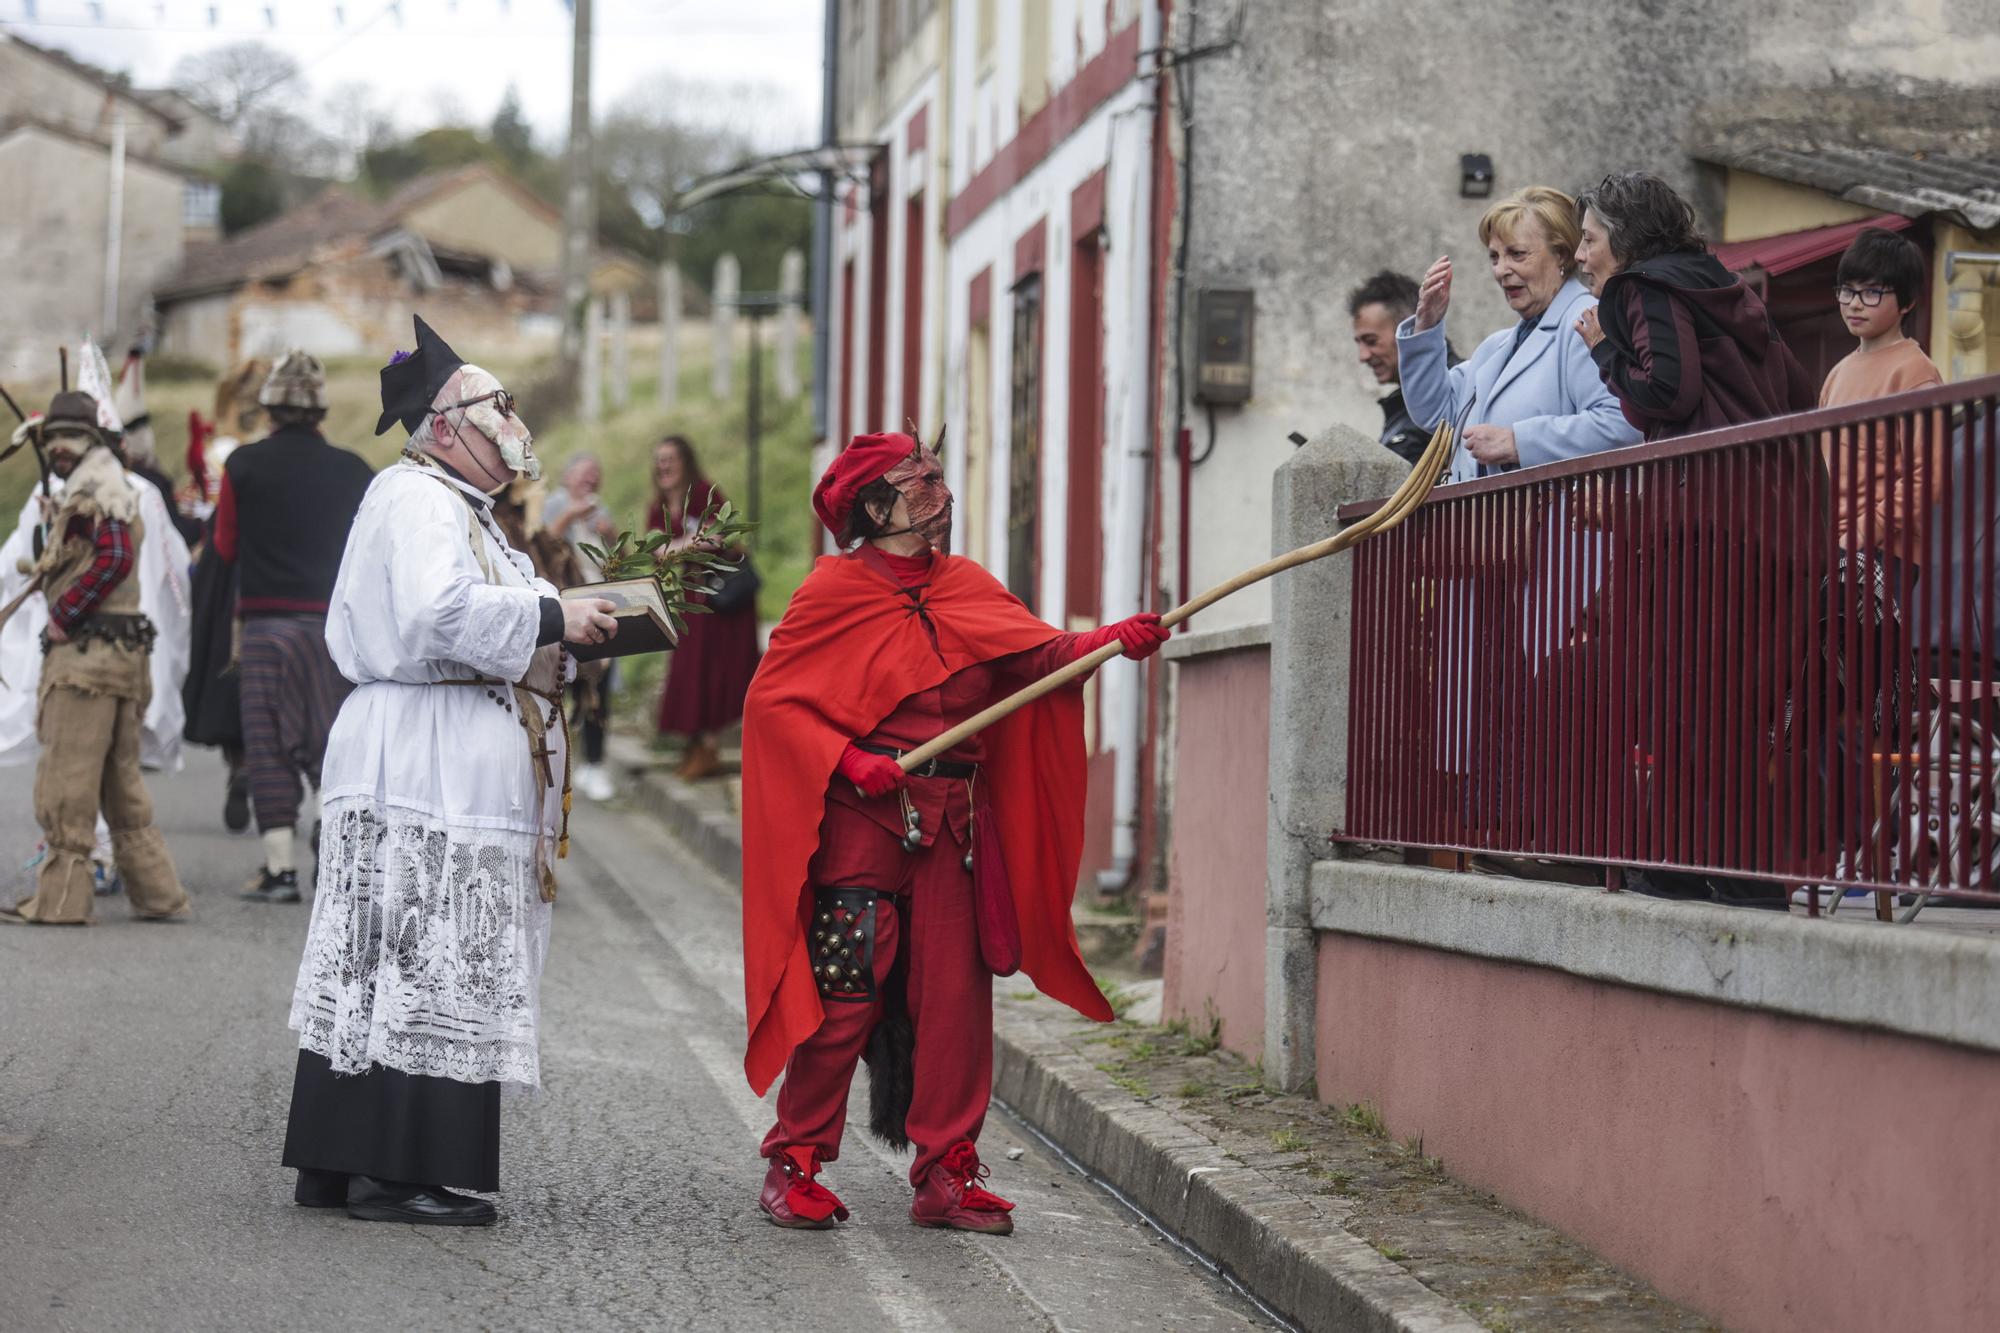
(1549, 390)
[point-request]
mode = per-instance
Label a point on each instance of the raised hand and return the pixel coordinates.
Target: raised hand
(1434, 296)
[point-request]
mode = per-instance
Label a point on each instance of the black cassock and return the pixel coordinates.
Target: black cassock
(211, 694)
(409, 1128)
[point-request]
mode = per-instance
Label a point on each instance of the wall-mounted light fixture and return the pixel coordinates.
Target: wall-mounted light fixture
(1475, 176)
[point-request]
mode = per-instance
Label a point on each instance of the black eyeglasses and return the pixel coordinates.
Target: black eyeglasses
(500, 399)
(1867, 296)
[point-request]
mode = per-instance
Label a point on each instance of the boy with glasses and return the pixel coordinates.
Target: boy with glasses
(1884, 478)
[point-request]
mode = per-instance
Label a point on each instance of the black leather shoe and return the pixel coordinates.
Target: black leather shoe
(372, 1200)
(279, 888)
(320, 1189)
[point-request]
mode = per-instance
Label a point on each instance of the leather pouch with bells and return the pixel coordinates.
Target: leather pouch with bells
(841, 943)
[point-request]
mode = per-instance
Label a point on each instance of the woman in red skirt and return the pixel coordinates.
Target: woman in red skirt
(869, 894)
(710, 668)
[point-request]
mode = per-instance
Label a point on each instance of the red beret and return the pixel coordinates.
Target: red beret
(863, 461)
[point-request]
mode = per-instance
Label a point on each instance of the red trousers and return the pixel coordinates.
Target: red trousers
(924, 912)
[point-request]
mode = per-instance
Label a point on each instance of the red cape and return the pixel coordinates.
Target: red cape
(847, 652)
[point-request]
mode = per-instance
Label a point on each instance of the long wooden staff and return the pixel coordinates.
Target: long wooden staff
(1394, 510)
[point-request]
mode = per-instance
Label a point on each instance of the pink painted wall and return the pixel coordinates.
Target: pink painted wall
(1215, 856)
(1772, 1173)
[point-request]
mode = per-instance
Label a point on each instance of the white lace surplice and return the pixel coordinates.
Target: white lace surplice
(428, 929)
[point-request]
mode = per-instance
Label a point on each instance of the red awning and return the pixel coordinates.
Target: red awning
(1796, 249)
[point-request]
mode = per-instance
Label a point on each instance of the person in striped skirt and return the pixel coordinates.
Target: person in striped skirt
(282, 519)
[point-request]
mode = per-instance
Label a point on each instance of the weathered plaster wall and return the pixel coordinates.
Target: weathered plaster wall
(1772, 1172)
(52, 241)
(1327, 147)
(33, 86)
(1215, 865)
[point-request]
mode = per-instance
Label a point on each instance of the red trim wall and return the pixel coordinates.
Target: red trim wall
(913, 313)
(1083, 567)
(1101, 76)
(878, 290)
(844, 385)
(979, 299)
(1031, 250)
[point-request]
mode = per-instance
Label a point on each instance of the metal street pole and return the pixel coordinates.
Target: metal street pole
(579, 207)
(754, 414)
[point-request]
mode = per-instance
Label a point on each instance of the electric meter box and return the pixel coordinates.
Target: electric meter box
(1226, 323)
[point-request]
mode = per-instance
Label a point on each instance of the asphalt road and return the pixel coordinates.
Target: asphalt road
(145, 1072)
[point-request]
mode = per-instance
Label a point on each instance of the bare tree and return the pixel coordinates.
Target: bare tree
(234, 79)
(668, 131)
(356, 119)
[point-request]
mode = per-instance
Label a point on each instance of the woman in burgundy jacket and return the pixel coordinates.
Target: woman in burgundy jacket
(1683, 342)
(709, 670)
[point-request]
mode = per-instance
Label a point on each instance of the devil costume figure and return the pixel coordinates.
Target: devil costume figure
(863, 926)
(95, 682)
(444, 794)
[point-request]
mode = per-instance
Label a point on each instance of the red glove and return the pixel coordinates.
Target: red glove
(1140, 635)
(874, 774)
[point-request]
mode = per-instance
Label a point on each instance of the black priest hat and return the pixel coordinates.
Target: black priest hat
(411, 380)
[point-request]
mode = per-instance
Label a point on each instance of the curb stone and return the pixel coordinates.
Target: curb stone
(1287, 1250)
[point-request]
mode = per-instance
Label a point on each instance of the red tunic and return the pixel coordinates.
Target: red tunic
(851, 651)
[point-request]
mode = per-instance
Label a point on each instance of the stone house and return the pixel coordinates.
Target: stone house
(106, 186)
(472, 248)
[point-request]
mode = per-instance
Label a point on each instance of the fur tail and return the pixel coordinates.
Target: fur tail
(891, 1049)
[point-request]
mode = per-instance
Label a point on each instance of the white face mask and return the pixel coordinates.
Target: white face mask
(507, 431)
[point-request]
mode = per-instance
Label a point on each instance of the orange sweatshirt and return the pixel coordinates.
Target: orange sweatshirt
(1885, 479)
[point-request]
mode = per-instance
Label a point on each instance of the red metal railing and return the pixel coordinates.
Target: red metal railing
(1767, 651)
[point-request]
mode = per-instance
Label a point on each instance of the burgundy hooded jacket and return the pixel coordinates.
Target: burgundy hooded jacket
(1689, 347)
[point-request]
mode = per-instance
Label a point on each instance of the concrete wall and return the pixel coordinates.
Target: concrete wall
(52, 242)
(1215, 882)
(1772, 1172)
(1327, 147)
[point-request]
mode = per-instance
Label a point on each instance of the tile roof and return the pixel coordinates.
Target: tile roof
(1913, 184)
(277, 247)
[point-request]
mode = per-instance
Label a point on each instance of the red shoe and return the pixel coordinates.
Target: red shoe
(951, 1196)
(794, 1198)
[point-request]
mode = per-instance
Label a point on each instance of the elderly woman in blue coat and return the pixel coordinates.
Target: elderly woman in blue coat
(1531, 393)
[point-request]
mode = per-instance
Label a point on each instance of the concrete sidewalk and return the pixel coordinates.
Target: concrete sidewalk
(1306, 1206)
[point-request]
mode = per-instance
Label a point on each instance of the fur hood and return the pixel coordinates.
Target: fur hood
(98, 489)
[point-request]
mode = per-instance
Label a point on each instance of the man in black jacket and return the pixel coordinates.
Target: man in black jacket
(1376, 307)
(282, 518)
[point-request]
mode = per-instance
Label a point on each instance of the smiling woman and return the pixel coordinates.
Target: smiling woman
(1530, 393)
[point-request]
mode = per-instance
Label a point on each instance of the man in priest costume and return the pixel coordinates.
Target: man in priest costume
(444, 796)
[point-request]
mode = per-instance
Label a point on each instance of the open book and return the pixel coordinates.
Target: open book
(643, 626)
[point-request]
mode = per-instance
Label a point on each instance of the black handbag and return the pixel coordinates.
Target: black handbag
(736, 590)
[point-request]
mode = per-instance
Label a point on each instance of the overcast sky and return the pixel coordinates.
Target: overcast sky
(431, 53)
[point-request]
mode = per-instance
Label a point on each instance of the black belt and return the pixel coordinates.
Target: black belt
(936, 768)
(122, 629)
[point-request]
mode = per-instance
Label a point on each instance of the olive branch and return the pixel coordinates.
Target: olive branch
(684, 572)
